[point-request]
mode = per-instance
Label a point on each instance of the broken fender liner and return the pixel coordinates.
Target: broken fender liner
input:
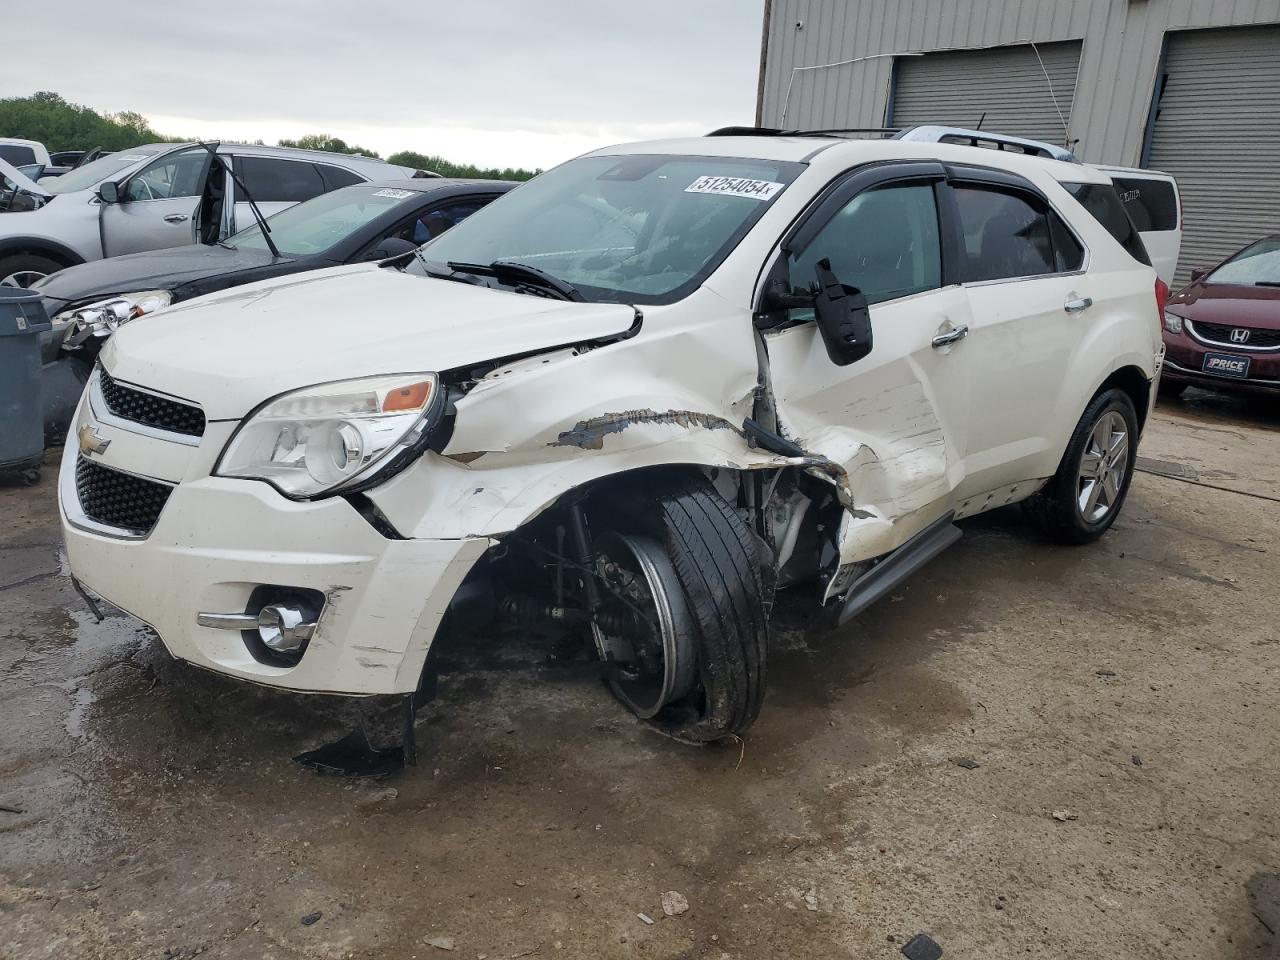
(590, 434)
(899, 565)
(353, 756)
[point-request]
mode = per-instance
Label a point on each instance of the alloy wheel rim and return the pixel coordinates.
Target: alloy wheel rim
(22, 278)
(1103, 467)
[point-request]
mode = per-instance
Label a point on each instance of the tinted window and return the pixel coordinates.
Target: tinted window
(335, 177)
(436, 221)
(1068, 254)
(884, 242)
(17, 154)
(1005, 234)
(1103, 203)
(176, 175)
(271, 180)
(1151, 204)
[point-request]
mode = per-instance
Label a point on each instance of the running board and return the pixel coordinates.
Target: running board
(899, 565)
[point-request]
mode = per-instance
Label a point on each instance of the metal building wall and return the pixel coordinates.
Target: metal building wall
(1120, 56)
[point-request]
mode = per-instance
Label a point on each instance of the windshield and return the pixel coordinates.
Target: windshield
(316, 225)
(92, 174)
(1255, 264)
(633, 229)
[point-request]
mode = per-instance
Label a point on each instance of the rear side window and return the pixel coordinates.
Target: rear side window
(884, 242)
(270, 179)
(335, 177)
(17, 154)
(1103, 203)
(1008, 235)
(1152, 205)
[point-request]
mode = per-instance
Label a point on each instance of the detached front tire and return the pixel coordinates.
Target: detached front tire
(719, 575)
(1082, 500)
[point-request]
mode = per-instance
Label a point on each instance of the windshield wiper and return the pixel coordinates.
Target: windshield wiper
(257, 214)
(1267, 283)
(522, 274)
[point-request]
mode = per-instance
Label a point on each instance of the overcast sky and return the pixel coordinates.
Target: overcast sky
(495, 82)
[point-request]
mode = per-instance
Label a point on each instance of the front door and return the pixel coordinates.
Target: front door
(159, 205)
(896, 420)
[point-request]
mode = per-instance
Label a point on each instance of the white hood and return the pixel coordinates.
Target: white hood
(231, 351)
(22, 180)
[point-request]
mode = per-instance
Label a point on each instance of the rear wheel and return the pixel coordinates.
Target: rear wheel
(697, 575)
(1082, 500)
(24, 269)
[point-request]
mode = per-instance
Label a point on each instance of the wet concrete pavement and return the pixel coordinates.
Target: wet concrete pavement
(1130, 687)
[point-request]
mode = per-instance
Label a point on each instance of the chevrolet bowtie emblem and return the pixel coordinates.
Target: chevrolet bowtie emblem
(90, 442)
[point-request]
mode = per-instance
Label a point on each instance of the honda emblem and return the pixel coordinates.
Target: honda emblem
(1239, 335)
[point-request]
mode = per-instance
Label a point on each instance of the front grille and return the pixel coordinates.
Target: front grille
(119, 499)
(1220, 333)
(151, 410)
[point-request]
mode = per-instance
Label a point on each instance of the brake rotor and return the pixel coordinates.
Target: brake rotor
(645, 620)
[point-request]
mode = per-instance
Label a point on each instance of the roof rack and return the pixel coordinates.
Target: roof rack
(774, 132)
(974, 138)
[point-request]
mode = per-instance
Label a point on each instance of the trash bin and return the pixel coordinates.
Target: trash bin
(22, 320)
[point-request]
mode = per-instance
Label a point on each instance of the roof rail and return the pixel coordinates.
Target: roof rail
(774, 132)
(973, 138)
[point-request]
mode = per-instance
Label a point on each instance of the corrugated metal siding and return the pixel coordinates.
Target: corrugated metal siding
(1118, 61)
(1021, 90)
(1218, 132)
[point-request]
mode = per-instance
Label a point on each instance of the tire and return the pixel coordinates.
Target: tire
(20, 270)
(1062, 510)
(728, 587)
(1171, 389)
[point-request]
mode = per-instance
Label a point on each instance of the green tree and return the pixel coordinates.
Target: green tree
(421, 161)
(60, 125)
(330, 144)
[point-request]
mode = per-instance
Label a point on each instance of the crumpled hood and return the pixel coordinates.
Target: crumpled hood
(231, 351)
(154, 270)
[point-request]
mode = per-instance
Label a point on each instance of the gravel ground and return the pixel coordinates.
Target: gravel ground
(1025, 751)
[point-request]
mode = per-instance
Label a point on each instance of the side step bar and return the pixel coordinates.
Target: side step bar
(899, 565)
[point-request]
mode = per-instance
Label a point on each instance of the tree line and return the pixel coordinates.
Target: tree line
(59, 125)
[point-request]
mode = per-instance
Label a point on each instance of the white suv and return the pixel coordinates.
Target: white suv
(155, 196)
(621, 405)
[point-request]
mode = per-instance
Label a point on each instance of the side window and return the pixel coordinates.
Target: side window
(1104, 205)
(429, 225)
(17, 154)
(176, 175)
(1151, 204)
(272, 180)
(1068, 255)
(1005, 234)
(885, 242)
(335, 177)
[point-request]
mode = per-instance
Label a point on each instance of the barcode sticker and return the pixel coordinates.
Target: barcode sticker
(735, 187)
(393, 194)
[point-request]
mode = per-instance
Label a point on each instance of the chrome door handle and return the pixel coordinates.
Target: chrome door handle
(1076, 304)
(176, 218)
(951, 336)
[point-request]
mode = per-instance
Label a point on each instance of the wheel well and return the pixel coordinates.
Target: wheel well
(32, 246)
(1136, 384)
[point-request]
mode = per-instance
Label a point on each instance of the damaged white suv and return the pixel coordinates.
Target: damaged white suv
(623, 404)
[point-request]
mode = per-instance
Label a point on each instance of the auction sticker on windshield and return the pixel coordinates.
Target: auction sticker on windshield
(393, 194)
(735, 187)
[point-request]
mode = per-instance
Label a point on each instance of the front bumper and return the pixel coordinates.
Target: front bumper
(1184, 360)
(218, 539)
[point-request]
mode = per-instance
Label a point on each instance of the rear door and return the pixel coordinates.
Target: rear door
(1023, 274)
(896, 420)
(159, 204)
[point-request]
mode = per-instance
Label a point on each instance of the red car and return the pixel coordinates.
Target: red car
(1222, 330)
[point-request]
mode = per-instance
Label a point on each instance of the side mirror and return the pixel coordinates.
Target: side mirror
(109, 191)
(391, 247)
(843, 317)
(1198, 274)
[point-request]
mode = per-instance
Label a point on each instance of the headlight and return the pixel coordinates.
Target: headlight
(333, 436)
(1172, 322)
(101, 319)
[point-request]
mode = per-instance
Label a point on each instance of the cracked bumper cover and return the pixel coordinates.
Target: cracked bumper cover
(386, 598)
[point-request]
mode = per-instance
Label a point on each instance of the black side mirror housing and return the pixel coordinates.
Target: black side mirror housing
(391, 247)
(109, 191)
(1198, 274)
(844, 320)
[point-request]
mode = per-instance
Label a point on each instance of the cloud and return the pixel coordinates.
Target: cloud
(520, 82)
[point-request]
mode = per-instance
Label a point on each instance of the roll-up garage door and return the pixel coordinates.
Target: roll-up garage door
(1217, 130)
(1019, 93)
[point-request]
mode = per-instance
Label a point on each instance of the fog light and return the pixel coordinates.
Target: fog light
(282, 628)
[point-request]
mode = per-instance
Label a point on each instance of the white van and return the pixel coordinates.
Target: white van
(1154, 205)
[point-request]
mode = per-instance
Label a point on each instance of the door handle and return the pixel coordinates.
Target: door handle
(1077, 304)
(951, 336)
(176, 218)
